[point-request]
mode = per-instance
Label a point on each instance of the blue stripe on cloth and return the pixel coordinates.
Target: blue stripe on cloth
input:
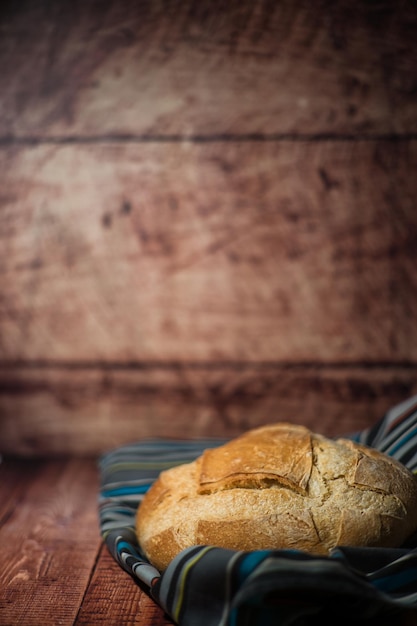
(394, 582)
(217, 587)
(251, 560)
(402, 441)
(123, 491)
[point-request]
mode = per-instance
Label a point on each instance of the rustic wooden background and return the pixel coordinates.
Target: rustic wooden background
(208, 218)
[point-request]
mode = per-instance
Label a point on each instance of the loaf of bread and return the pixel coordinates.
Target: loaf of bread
(279, 486)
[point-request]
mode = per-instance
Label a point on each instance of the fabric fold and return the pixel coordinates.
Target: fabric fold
(217, 587)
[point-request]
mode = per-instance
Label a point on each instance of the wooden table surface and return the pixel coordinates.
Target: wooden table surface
(54, 568)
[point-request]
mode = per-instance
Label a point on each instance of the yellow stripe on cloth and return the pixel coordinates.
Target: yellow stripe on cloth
(184, 576)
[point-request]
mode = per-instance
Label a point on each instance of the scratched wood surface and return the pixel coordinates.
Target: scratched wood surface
(113, 598)
(231, 283)
(195, 200)
(53, 566)
(49, 540)
(194, 67)
(198, 253)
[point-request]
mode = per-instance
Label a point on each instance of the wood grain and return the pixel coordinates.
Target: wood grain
(196, 68)
(49, 542)
(113, 598)
(207, 217)
(87, 410)
(207, 222)
(13, 485)
(298, 251)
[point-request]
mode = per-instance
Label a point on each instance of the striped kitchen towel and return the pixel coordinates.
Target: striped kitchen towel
(216, 587)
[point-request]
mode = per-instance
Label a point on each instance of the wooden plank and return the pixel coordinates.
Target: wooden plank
(113, 598)
(49, 544)
(51, 410)
(13, 484)
(299, 251)
(94, 69)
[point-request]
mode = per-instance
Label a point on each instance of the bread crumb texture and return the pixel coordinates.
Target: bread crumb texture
(277, 487)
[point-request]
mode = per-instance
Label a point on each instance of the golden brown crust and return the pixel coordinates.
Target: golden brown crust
(251, 460)
(279, 486)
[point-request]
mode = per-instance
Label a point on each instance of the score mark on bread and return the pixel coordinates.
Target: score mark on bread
(252, 462)
(279, 486)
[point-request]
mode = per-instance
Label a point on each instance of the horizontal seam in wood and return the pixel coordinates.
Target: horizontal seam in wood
(208, 365)
(114, 138)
